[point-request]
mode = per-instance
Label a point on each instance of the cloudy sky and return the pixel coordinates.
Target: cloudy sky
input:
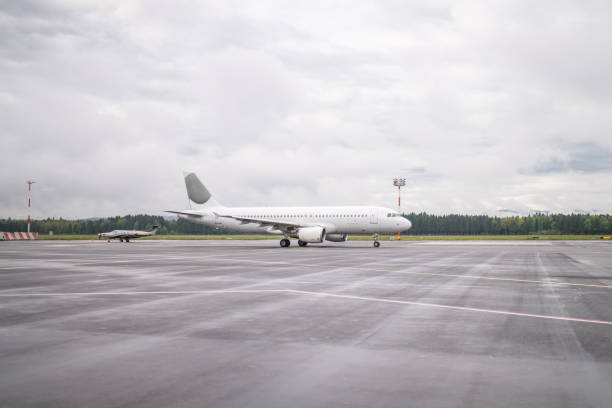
(481, 105)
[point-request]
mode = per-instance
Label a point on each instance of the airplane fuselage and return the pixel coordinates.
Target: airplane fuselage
(127, 234)
(336, 220)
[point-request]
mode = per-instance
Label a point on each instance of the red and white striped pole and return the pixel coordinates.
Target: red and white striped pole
(29, 201)
(399, 183)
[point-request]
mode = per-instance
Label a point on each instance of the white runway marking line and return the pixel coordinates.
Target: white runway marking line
(8, 268)
(463, 308)
(281, 263)
(326, 294)
(157, 292)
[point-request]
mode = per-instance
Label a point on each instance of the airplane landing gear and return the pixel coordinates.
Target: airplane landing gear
(127, 240)
(302, 243)
(121, 239)
(376, 243)
(285, 242)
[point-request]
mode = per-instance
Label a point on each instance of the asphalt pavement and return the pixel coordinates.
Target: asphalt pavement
(250, 324)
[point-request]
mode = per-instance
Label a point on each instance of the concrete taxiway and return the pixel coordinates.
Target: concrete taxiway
(250, 324)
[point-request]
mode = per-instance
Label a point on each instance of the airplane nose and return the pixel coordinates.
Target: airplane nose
(408, 224)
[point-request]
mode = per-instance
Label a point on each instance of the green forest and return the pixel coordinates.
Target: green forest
(554, 224)
(422, 224)
(95, 226)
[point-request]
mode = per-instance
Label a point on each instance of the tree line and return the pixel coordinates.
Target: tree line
(553, 224)
(167, 226)
(422, 224)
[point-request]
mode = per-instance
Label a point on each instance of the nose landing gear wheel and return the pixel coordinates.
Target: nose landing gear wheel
(285, 243)
(302, 243)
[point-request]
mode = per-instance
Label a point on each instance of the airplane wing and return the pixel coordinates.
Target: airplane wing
(184, 213)
(284, 226)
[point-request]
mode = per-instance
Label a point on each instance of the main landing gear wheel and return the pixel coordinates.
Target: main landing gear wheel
(302, 243)
(376, 244)
(285, 242)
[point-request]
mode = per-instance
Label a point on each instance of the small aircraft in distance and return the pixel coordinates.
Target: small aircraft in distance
(127, 234)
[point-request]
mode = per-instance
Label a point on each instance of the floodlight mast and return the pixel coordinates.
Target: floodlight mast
(30, 182)
(399, 182)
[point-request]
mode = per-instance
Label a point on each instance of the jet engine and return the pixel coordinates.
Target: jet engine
(311, 234)
(336, 237)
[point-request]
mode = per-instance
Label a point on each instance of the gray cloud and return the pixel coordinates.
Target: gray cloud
(583, 157)
(322, 103)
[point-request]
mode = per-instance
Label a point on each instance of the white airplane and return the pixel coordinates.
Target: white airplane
(127, 234)
(307, 224)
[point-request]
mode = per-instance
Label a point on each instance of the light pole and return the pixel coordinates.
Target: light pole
(30, 182)
(399, 183)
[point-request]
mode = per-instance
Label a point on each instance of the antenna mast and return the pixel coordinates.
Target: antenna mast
(30, 182)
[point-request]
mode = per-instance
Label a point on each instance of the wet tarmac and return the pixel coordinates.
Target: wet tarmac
(250, 324)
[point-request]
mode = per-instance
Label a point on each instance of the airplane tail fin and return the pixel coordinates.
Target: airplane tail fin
(154, 229)
(197, 192)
